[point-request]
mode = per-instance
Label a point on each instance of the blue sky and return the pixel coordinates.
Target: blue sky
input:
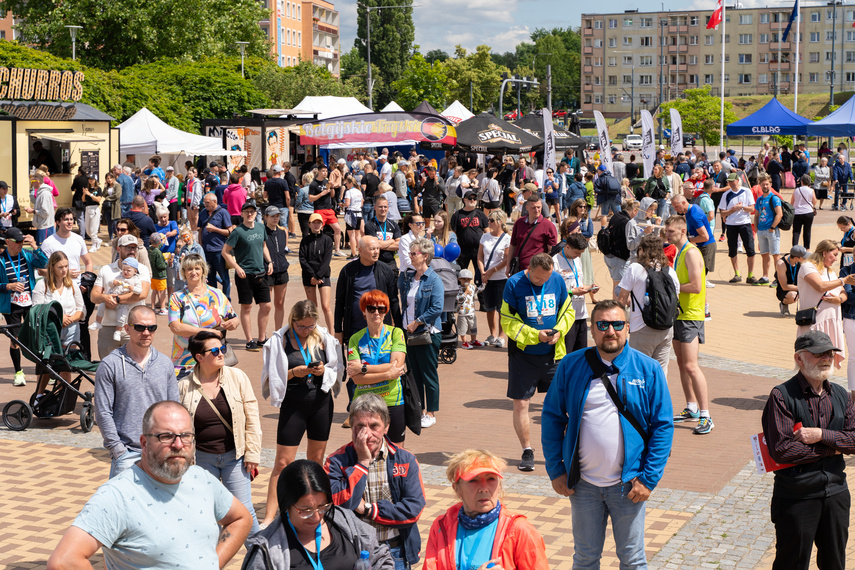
(501, 24)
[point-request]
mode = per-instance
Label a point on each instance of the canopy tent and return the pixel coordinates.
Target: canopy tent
(392, 107)
(145, 134)
(840, 123)
(771, 119)
(378, 129)
(486, 133)
(457, 113)
(533, 123)
(426, 108)
(328, 107)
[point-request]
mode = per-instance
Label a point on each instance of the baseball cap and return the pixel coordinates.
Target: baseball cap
(798, 251)
(272, 211)
(278, 168)
(341, 161)
(3, 184)
(316, 218)
(382, 157)
(732, 176)
(213, 165)
(14, 234)
(168, 168)
(247, 205)
(465, 274)
(470, 194)
(477, 468)
(132, 262)
(815, 342)
(529, 187)
(126, 239)
(731, 151)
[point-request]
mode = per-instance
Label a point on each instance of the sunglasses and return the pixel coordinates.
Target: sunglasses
(141, 328)
(604, 325)
(826, 354)
(417, 223)
(372, 309)
(216, 351)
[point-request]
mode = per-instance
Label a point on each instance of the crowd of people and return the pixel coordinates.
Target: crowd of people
(430, 244)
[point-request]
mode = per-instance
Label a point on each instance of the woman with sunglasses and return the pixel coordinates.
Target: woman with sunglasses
(311, 531)
(414, 226)
(225, 418)
(301, 371)
(376, 356)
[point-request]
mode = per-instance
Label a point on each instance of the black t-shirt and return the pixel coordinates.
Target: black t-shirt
(469, 227)
(143, 224)
(632, 170)
(212, 436)
(315, 188)
(431, 192)
(383, 231)
(276, 189)
(363, 282)
(295, 358)
(340, 554)
(372, 185)
(292, 183)
(211, 182)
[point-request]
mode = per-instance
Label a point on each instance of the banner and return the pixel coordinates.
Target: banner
(648, 145)
(235, 141)
(277, 139)
(605, 145)
(548, 140)
(381, 128)
(676, 133)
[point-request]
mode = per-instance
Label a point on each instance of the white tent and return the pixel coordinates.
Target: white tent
(145, 134)
(328, 107)
(457, 113)
(392, 108)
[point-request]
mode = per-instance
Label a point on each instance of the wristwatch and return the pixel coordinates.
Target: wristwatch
(364, 368)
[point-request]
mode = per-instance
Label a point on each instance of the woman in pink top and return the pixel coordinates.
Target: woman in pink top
(53, 189)
(234, 197)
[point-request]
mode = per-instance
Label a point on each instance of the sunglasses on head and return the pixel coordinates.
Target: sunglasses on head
(216, 351)
(604, 325)
(376, 309)
(141, 328)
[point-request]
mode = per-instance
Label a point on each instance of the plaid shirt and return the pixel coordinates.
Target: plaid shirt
(378, 490)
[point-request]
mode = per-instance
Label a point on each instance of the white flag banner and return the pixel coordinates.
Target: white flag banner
(605, 145)
(648, 145)
(676, 133)
(548, 141)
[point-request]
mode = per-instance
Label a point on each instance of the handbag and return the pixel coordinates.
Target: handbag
(807, 317)
(514, 264)
(412, 403)
(419, 338)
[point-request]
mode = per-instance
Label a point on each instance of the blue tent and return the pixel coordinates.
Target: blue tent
(840, 123)
(772, 119)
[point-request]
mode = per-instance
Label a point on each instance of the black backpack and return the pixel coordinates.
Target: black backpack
(788, 214)
(660, 306)
(697, 199)
(604, 241)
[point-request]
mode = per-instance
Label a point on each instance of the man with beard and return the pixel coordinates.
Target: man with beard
(596, 450)
(808, 423)
(163, 512)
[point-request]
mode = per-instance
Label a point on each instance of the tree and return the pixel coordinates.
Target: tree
(354, 74)
(435, 55)
(392, 35)
(479, 69)
(287, 86)
(700, 113)
(422, 81)
(121, 33)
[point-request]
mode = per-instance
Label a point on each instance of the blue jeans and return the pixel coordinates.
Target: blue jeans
(367, 210)
(217, 267)
(228, 469)
(610, 205)
(397, 556)
(663, 206)
(124, 462)
(591, 508)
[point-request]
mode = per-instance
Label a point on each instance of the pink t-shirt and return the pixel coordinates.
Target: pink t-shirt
(234, 197)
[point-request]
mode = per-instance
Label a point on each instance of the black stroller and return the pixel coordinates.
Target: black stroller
(39, 339)
(448, 271)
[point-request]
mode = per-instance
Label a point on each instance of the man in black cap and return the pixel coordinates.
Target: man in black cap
(809, 423)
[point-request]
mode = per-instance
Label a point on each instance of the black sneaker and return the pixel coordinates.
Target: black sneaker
(253, 346)
(762, 281)
(527, 461)
(736, 279)
(752, 281)
(292, 235)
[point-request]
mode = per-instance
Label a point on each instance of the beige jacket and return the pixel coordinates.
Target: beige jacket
(245, 420)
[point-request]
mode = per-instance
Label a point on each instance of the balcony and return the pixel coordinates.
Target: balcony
(587, 50)
(589, 88)
(775, 46)
(678, 29)
(325, 54)
(778, 25)
(588, 32)
(678, 49)
(773, 66)
(325, 29)
(679, 68)
(588, 69)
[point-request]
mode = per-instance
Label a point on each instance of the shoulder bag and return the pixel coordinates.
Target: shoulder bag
(412, 402)
(514, 264)
(495, 247)
(252, 474)
(807, 317)
(599, 370)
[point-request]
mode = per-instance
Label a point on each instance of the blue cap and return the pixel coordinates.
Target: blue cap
(602, 167)
(132, 261)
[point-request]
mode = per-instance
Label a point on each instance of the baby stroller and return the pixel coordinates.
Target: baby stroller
(447, 272)
(39, 339)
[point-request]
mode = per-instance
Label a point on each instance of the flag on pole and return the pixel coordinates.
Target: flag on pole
(648, 147)
(548, 140)
(715, 19)
(793, 16)
(676, 133)
(605, 142)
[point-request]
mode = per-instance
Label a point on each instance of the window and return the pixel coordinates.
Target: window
(745, 58)
(288, 36)
(645, 60)
(764, 18)
(597, 80)
(830, 56)
(627, 41)
(727, 38)
(693, 40)
(299, 39)
(850, 56)
(745, 39)
(288, 10)
(587, 99)
(850, 76)
(598, 62)
(745, 19)
(612, 61)
(612, 23)
(612, 79)
(627, 60)
(744, 78)
(829, 35)
(829, 14)
(646, 22)
(612, 99)
(726, 77)
(587, 61)
(693, 20)
(612, 42)
(850, 15)
(764, 58)
(645, 80)
(813, 57)
(815, 16)
(764, 38)
(708, 40)
(693, 60)
(814, 37)
(693, 79)
(813, 77)
(598, 24)
(646, 41)
(627, 22)
(850, 36)
(627, 79)
(598, 43)
(299, 13)
(709, 59)
(598, 99)
(727, 58)
(762, 78)
(708, 79)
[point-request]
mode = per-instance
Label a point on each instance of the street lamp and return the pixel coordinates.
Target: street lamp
(242, 46)
(73, 31)
(368, 45)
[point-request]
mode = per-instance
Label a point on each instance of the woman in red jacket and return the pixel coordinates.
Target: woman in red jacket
(479, 532)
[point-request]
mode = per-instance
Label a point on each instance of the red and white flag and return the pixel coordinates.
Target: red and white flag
(715, 19)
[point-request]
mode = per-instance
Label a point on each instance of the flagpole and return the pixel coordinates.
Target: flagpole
(798, 56)
(721, 120)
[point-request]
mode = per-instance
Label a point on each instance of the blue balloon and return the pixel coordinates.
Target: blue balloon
(452, 252)
(437, 250)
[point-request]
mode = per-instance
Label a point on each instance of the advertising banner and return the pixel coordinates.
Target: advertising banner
(605, 145)
(648, 145)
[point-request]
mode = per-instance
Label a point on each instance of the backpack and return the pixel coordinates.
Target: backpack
(788, 213)
(697, 199)
(604, 241)
(660, 305)
(609, 186)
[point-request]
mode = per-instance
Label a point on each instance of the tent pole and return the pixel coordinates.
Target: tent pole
(743, 146)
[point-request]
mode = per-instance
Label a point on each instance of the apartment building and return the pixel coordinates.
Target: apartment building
(304, 30)
(632, 60)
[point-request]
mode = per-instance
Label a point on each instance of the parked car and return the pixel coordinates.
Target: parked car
(632, 142)
(689, 139)
(593, 142)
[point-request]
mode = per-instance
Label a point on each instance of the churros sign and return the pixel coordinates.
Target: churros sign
(386, 128)
(40, 84)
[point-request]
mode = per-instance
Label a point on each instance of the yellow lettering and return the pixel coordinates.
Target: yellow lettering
(65, 86)
(77, 91)
(28, 83)
(15, 82)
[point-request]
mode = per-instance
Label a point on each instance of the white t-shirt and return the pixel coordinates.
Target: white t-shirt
(394, 214)
(71, 299)
(73, 247)
(355, 197)
(635, 281)
(745, 198)
(7, 203)
(573, 278)
(600, 437)
(803, 200)
(105, 279)
(488, 241)
(386, 173)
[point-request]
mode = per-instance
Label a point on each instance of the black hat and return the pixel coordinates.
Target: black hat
(470, 194)
(247, 205)
(14, 234)
(3, 184)
(815, 342)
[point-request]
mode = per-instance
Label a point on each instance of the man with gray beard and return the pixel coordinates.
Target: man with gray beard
(808, 424)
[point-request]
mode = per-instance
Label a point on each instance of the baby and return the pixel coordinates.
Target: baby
(129, 283)
(466, 321)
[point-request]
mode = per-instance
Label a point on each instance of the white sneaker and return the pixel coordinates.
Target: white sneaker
(490, 341)
(500, 343)
(95, 326)
(710, 285)
(428, 421)
(20, 380)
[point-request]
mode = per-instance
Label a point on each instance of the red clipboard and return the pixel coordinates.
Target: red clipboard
(762, 459)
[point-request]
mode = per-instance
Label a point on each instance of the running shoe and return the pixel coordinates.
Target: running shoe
(736, 279)
(752, 281)
(292, 235)
(253, 346)
(785, 310)
(428, 421)
(762, 281)
(721, 238)
(705, 425)
(527, 461)
(19, 380)
(710, 285)
(466, 346)
(338, 254)
(500, 343)
(686, 415)
(490, 340)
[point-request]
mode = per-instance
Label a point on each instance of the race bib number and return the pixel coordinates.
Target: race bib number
(848, 258)
(547, 308)
(22, 298)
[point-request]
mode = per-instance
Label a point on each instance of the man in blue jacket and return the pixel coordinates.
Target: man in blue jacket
(841, 175)
(379, 481)
(606, 460)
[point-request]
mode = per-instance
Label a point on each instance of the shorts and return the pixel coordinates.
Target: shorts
(467, 324)
(769, 242)
(529, 372)
(493, 292)
(307, 410)
(307, 281)
(733, 235)
(687, 331)
(252, 287)
(617, 267)
(553, 201)
(170, 276)
(329, 217)
(493, 205)
(708, 253)
(280, 278)
(353, 220)
(158, 284)
(16, 317)
(610, 205)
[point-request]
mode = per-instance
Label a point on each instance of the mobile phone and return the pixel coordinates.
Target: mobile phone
(595, 288)
(550, 332)
(314, 364)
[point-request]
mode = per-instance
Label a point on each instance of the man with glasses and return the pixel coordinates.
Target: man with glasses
(469, 224)
(689, 327)
(386, 231)
(129, 380)
(379, 481)
(808, 424)
(607, 464)
(165, 512)
(126, 247)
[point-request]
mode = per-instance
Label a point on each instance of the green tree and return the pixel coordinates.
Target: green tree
(354, 74)
(422, 81)
(700, 113)
(121, 33)
(287, 86)
(392, 35)
(479, 69)
(435, 55)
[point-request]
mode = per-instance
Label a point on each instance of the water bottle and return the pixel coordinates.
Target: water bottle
(646, 298)
(363, 563)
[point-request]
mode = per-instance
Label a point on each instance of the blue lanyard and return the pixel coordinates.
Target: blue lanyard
(792, 270)
(680, 252)
(848, 234)
(316, 565)
(17, 270)
(376, 221)
(572, 266)
(539, 304)
(305, 352)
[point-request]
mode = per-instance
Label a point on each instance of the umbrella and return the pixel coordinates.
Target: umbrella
(533, 123)
(486, 133)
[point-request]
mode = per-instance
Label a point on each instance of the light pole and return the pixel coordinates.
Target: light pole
(368, 45)
(73, 31)
(242, 46)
